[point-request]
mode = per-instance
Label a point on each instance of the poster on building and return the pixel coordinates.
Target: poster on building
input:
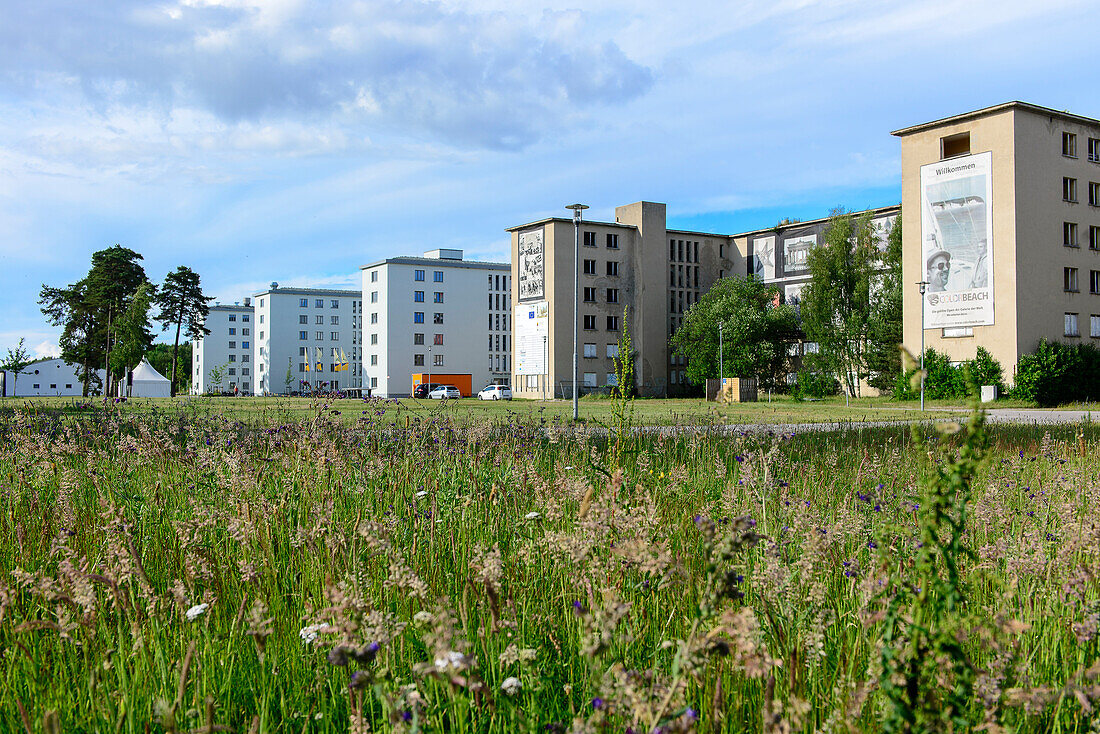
(796, 254)
(531, 326)
(532, 265)
(957, 241)
(763, 256)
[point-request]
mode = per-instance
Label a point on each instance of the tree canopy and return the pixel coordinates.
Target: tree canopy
(182, 305)
(756, 332)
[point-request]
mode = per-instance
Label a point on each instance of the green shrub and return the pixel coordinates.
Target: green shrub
(1058, 373)
(946, 381)
(816, 384)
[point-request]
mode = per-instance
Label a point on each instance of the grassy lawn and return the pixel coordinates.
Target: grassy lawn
(270, 410)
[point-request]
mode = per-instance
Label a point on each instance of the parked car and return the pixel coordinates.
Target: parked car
(422, 390)
(495, 392)
(444, 391)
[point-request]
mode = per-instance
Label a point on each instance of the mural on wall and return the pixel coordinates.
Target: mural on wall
(796, 254)
(957, 241)
(532, 265)
(763, 250)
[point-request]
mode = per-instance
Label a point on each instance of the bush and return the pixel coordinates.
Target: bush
(946, 381)
(1058, 373)
(815, 384)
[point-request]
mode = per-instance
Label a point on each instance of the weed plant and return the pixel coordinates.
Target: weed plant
(171, 573)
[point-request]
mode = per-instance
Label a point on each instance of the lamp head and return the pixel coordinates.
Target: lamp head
(923, 286)
(577, 209)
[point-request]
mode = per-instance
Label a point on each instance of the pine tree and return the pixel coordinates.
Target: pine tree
(182, 304)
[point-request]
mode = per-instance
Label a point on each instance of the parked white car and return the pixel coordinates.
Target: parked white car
(444, 392)
(495, 392)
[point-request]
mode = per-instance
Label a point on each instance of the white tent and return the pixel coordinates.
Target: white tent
(148, 383)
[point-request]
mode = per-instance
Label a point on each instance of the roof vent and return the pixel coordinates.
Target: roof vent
(274, 285)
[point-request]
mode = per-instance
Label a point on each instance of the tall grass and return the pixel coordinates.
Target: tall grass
(168, 573)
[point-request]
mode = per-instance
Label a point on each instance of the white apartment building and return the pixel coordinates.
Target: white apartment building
(228, 347)
(294, 327)
(53, 377)
(437, 313)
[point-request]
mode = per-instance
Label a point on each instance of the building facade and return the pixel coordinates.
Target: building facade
(303, 336)
(435, 313)
(226, 352)
(47, 377)
(1001, 218)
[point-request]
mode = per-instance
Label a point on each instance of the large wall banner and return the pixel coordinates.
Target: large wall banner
(957, 241)
(532, 265)
(530, 331)
(796, 254)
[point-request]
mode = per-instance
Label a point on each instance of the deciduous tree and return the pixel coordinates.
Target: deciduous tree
(15, 362)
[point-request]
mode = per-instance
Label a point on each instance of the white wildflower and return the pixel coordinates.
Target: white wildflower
(511, 686)
(422, 493)
(532, 516)
(309, 634)
(452, 661)
(196, 611)
(422, 617)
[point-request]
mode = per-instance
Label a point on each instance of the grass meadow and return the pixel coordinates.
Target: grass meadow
(172, 570)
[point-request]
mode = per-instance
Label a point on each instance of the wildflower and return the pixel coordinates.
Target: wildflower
(531, 516)
(309, 634)
(422, 617)
(511, 685)
(422, 493)
(196, 611)
(597, 703)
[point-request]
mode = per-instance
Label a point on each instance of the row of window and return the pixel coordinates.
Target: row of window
(590, 323)
(244, 317)
(611, 295)
(612, 267)
(418, 317)
(418, 297)
(681, 251)
(612, 240)
(418, 360)
(1069, 235)
(233, 331)
(319, 320)
(495, 322)
(680, 301)
(319, 335)
(677, 273)
(318, 303)
(1073, 330)
(1069, 191)
(1069, 147)
(501, 301)
(590, 351)
(53, 386)
(233, 345)
(418, 275)
(500, 280)
(1069, 281)
(501, 342)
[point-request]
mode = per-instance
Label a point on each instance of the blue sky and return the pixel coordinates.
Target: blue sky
(295, 141)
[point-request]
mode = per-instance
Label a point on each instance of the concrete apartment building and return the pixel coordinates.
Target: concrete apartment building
(229, 345)
(53, 377)
(299, 327)
(1001, 215)
(438, 313)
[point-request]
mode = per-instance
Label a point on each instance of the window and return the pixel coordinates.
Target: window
(232, 317)
(437, 276)
(589, 239)
(1094, 193)
(438, 297)
(955, 145)
(232, 345)
(334, 303)
(374, 276)
(589, 267)
(418, 339)
(437, 318)
(261, 318)
(244, 345)
(334, 336)
(612, 267)
(613, 241)
(1094, 282)
(590, 351)
(232, 357)
(438, 340)
(418, 360)
(244, 332)
(1069, 190)
(612, 379)
(1069, 280)
(589, 294)
(374, 360)
(612, 323)
(589, 379)
(1094, 326)
(374, 296)
(374, 382)
(1094, 237)
(1069, 234)
(418, 317)
(302, 336)
(612, 295)
(232, 371)
(418, 296)
(1071, 325)
(244, 318)
(319, 336)
(418, 275)
(373, 338)
(1094, 150)
(319, 303)
(244, 371)
(589, 322)
(612, 351)
(319, 320)
(1069, 145)
(374, 318)
(334, 320)
(437, 360)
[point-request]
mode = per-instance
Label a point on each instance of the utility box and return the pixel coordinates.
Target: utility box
(989, 393)
(737, 390)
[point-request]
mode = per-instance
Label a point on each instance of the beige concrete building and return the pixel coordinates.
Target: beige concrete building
(1001, 215)
(634, 263)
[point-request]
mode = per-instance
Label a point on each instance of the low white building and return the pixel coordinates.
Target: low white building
(49, 377)
(228, 349)
(437, 313)
(296, 330)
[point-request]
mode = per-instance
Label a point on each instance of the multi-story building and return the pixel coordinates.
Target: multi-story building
(302, 336)
(1001, 219)
(54, 377)
(437, 313)
(227, 350)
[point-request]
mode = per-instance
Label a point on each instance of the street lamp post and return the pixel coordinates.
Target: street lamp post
(721, 368)
(429, 370)
(545, 367)
(923, 287)
(577, 210)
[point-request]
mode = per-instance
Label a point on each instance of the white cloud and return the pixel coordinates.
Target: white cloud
(47, 349)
